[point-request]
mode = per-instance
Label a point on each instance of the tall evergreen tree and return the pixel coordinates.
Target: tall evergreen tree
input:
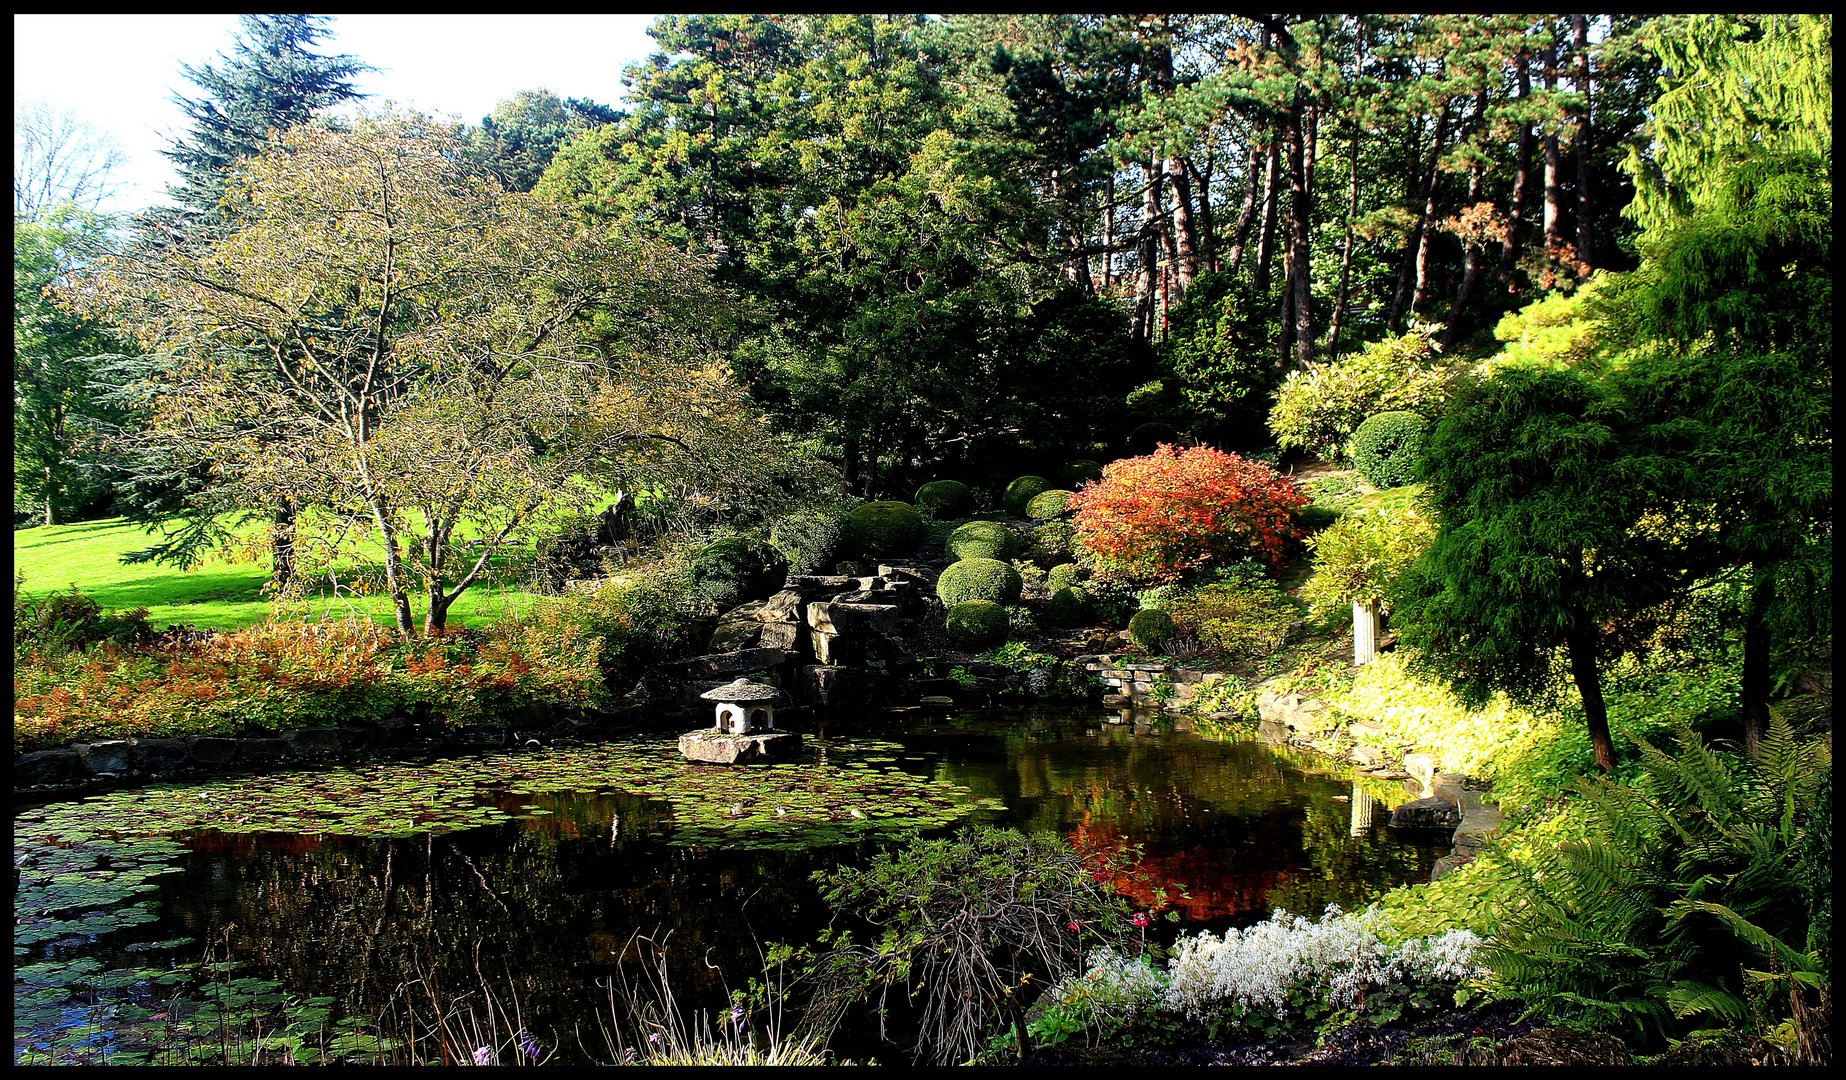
(271, 80)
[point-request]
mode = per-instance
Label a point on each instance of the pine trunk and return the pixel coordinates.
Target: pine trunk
(1580, 644)
(1582, 138)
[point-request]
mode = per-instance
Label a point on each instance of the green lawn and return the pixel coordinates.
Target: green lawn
(219, 595)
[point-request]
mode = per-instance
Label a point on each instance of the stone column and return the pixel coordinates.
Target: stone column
(1364, 810)
(1365, 622)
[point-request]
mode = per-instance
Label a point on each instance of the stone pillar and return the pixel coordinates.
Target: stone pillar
(1364, 633)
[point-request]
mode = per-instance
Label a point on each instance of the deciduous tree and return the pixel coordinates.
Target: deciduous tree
(442, 361)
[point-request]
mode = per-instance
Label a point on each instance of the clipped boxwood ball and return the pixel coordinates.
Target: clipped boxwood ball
(977, 625)
(1051, 502)
(1150, 628)
(982, 540)
(1053, 543)
(979, 579)
(883, 529)
(1071, 606)
(1080, 472)
(1387, 447)
(1021, 492)
(1064, 574)
(945, 500)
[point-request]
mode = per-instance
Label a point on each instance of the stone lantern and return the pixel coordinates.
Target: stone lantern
(744, 707)
(743, 729)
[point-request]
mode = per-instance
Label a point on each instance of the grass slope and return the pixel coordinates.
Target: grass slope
(219, 595)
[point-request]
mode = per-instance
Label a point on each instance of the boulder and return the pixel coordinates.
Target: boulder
(107, 757)
(48, 768)
(854, 618)
(740, 662)
(156, 757)
(1430, 813)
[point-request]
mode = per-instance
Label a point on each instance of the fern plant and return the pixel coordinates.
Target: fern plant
(1689, 901)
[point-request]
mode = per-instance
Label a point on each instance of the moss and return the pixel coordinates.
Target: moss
(1021, 492)
(945, 499)
(976, 625)
(981, 540)
(878, 529)
(979, 579)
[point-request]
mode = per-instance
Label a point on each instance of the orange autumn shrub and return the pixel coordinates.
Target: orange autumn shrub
(283, 675)
(1156, 518)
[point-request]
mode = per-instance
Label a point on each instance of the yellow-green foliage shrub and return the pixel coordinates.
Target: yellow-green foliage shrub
(1357, 557)
(1238, 620)
(975, 625)
(1052, 503)
(1318, 407)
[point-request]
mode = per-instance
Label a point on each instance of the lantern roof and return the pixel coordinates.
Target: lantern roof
(741, 689)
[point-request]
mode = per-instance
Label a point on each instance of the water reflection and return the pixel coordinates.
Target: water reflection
(541, 907)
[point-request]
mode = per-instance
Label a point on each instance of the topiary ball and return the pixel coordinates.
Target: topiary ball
(982, 540)
(979, 579)
(1049, 503)
(1387, 447)
(1080, 472)
(1021, 492)
(945, 499)
(1071, 606)
(879, 529)
(1065, 574)
(1053, 543)
(734, 569)
(976, 625)
(1150, 628)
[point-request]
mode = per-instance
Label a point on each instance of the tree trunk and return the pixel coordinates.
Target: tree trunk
(1365, 627)
(1415, 252)
(1580, 644)
(1184, 232)
(1757, 642)
(1515, 214)
(1246, 215)
(1474, 253)
(1265, 237)
(1352, 212)
(1150, 256)
(1300, 223)
(1582, 137)
(51, 510)
(282, 546)
(1554, 172)
(1108, 234)
(1208, 229)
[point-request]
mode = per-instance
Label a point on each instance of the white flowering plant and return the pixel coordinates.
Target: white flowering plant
(1289, 971)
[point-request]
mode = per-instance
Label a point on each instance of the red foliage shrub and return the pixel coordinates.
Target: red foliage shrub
(1154, 518)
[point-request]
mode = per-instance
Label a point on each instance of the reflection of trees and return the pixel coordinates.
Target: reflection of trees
(523, 912)
(1243, 825)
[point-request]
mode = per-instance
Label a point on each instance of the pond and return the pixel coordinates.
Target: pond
(301, 908)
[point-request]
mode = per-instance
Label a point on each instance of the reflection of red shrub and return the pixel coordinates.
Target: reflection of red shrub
(1155, 517)
(1197, 884)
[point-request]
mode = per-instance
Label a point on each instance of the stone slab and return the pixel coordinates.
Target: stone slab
(719, 749)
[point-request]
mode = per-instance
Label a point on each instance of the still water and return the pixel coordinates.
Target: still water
(528, 877)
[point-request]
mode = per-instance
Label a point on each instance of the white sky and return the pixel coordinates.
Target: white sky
(118, 73)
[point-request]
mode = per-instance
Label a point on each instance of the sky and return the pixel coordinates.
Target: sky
(118, 73)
